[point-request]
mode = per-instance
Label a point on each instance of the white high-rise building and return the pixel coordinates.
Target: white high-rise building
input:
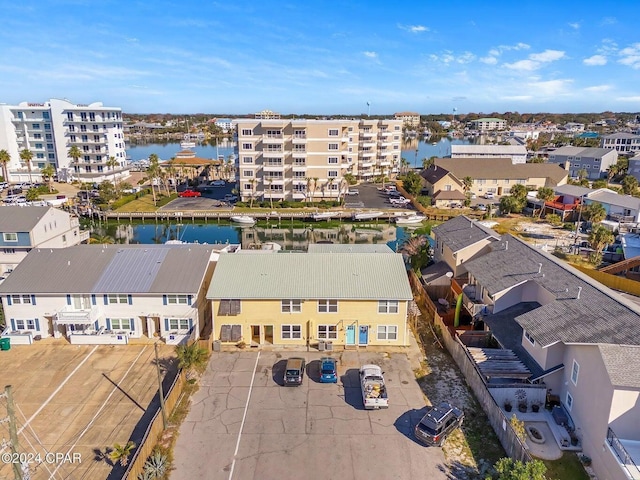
(49, 130)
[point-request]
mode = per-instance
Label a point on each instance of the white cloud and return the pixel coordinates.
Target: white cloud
(547, 56)
(630, 56)
(370, 54)
(595, 60)
(551, 88)
(526, 65)
(494, 53)
(489, 60)
(609, 21)
(414, 28)
(598, 88)
(517, 97)
(448, 57)
(575, 25)
(629, 99)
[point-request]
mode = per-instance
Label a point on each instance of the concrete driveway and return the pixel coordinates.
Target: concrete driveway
(244, 425)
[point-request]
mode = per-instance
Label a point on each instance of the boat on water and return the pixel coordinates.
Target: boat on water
(318, 216)
(186, 143)
(366, 215)
(410, 220)
(243, 219)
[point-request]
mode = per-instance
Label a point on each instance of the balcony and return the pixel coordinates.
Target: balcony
(273, 181)
(368, 144)
(299, 167)
(368, 154)
(273, 138)
(299, 138)
(470, 297)
(82, 316)
(366, 164)
(273, 167)
(627, 452)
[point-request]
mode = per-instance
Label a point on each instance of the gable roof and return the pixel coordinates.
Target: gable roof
(501, 168)
(110, 269)
(16, 219)
(365, 276)
(449, 195)
(461, 232)
(573, 190)
(612, 198)
(489, 149)
(624, 135)
(434, 173)
(621, 363)
(580, 310)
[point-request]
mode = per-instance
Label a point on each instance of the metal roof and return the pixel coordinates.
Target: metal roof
(621, 362)
(364, 276)
(581, 310)
(111, 269)
(14, 219)
(573, 190)
(590, 152)
(461, 232)
(349, 248)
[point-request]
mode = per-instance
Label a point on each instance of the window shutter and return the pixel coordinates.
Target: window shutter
(108, 324)
(166, 324)
(190, 325)
(96, 325)
(236, 333)
(164, 299)
(225, 333)
(224, 308)
(33, 299)
(105, 297)
(8, 299)
(189, 299)
(37, 322)
(13, 324)
(130, 299)
(133, 324)
(93, 299)
(68, 299)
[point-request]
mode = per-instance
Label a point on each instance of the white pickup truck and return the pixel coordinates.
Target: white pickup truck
(374, 391)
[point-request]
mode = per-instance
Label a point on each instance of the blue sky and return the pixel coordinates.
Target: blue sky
(323, 57)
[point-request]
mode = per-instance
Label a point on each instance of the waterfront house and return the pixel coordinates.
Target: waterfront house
(99, 294)
(577, 338)
(25, 228)
(486, 124)
(309, 299)
(594, 161)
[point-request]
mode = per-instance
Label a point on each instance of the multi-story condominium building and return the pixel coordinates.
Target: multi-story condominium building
(517, 153)
(623, 143)
(594, 161)
(24, 228)
(410, 119)
(267, 115)
(49, 130)
(574, 127)
(484, 124)
(224, 123)
(308, 159)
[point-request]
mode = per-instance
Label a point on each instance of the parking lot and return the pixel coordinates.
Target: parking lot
(243, 424)
(77, 400)
(370, 197)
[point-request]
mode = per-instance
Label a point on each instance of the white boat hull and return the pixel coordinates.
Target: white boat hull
(322, 216)
(366, 215)
(242, 219)
(413, 220)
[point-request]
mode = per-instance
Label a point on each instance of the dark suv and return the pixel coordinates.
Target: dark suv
(294, 372)
(438, 423)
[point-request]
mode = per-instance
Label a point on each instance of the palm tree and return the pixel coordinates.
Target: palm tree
(75, 153)
(545, 194)
(101, 239)
(599, 238)
(172, 173)
(48, 171)
(112, 163)
(629, 185)
(269, 182)
(5, 158)
(330, 183)
(121, 453)
(612, 171)
(252, 182)
(315, 185)
(153, 172)
(404, 163)
(594, 212)
(26, 155)
(191, 357)
(309, 180)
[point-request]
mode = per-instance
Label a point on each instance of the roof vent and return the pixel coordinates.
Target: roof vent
(579, 290)
(506, 244)
(539, 267)
(68, 263)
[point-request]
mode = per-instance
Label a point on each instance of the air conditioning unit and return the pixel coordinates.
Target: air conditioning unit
(321, 345)
(329, 346)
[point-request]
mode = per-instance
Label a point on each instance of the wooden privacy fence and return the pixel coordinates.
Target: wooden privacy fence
(612, 281)
(514, 447)
(154, 430)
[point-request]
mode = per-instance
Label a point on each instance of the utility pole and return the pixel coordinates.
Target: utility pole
(161, 393)
(13, 433)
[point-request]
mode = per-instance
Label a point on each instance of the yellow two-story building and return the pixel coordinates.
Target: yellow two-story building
(305, 299)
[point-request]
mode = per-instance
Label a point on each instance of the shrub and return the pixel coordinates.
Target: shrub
(424, 200)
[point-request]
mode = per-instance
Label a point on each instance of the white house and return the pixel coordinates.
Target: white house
(106, 294)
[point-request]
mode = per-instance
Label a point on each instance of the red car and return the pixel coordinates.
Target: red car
(189, 193)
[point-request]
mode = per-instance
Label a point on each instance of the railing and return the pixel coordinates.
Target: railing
(560, 205)
(68, 314)
(626, 460)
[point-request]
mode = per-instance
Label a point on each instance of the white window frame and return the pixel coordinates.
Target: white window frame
(20, 324)
(291, 306)
(247, 132)
(327, 306)
(114, 298)
(569, 401)
(291, 332)
(178, 324)
(247, 146)
(119, 323)
(387, 332)
(332, 173)
(575, 372)
(334, 132)
(21, 299)
(332, 160)
(387, 306)
(528, 336)
(177, 299)
(10, 237)
(247, 173)
(328, 332)
(247, 159)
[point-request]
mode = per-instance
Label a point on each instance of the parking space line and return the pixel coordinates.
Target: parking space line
(244, 416)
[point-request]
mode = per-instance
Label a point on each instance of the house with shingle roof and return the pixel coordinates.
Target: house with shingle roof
(25, 228)
(594, 161)
(106, 294)
(357, 299)
(578, 337)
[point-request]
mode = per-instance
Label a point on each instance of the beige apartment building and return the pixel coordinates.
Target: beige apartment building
(307, 160)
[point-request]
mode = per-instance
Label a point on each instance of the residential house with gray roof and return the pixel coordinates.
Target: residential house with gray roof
(316, 299)
(578, 337)
(106, 294)
(622, 142)
(594, 161)
(25, 228)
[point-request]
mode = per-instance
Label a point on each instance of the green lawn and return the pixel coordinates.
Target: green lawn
(567, 467)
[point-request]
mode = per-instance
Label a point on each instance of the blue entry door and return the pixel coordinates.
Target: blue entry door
(351, 334)
(363, 337)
